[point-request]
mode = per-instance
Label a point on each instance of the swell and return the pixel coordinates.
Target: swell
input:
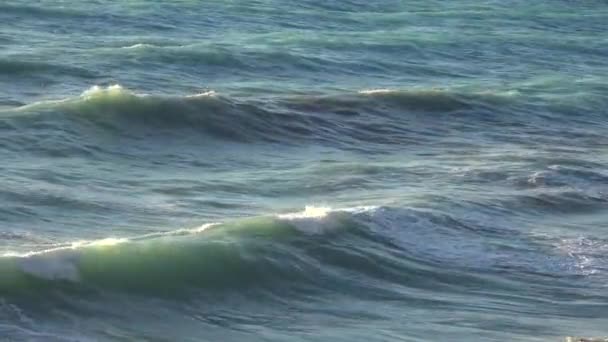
(14, 67)
(566, 186)
(249, 61)
(364, 251)
(40, 12)
(377, 116)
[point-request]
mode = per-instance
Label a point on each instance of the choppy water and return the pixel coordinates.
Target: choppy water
(303, 171)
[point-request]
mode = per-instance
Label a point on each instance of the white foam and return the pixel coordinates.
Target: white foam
(588, 255)
(138, 45)
(177, 232)
(309, 212)
(92, 92)
(61, 262)
(537, 178)
(108, 242)
(209, 93)
(376, 91)
(317, 220)
(314, 212)
(115, 89)
(42, 103)
(71, 246)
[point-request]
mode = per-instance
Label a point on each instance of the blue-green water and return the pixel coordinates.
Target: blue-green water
(303, 170)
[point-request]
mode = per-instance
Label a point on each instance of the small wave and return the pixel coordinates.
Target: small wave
(42, 11)
(203, 94)
(424, 100)
(138, 46)
(376, 91)
(153, 45)
(561, 189)
(33, 68)
(560, 176)
(558, 201)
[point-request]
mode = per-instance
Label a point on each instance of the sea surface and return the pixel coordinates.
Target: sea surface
(311, 170)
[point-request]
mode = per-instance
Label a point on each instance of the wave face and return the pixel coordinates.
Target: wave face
(247, 253)
(303, 171)
(363, 252)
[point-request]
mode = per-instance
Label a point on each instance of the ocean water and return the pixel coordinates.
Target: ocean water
(313, 170)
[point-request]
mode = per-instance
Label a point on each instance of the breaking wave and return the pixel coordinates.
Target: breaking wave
(318, 248)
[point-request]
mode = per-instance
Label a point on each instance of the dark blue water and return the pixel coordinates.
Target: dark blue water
(303, 171)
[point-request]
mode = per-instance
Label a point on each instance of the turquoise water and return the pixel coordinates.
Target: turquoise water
(303, 171)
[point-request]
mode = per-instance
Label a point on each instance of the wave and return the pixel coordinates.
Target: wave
(319, 248)
(563, 185)
(368, 116)
(216, 255)
(249, 61)
(139, 46)
(39, 11)
(19, 68)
